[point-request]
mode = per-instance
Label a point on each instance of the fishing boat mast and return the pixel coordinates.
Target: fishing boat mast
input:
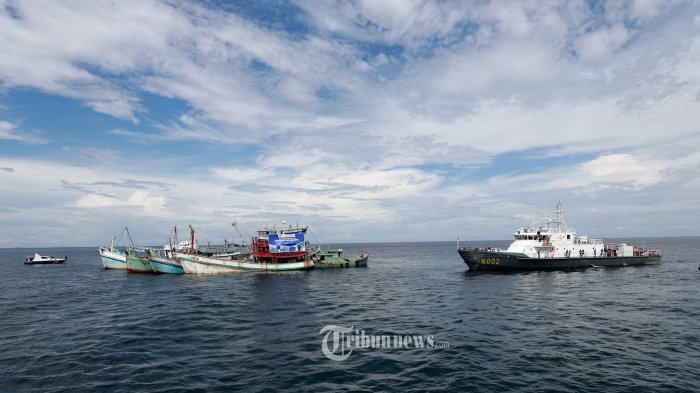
(243, 236)
(191, 239)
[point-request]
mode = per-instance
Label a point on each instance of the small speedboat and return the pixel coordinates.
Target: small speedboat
(43, 260)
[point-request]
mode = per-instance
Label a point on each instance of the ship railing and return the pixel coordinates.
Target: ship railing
(588, 241)
(523, 230)
(488, 249)
(562, 230)
(644, 252)
(133, 248)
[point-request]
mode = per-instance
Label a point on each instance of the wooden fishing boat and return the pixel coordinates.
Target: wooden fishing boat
(335, 259)
(163, 261)
(272, 250)
(114, 258)
(137, 264)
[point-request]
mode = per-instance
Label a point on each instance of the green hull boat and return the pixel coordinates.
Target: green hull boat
(335, 259)
(137, 264)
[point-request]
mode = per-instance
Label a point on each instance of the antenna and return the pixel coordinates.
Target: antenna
(560, 214)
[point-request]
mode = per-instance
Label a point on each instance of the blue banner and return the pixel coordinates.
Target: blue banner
(287, 242)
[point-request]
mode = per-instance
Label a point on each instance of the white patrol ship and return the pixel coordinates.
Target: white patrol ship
(555, 246)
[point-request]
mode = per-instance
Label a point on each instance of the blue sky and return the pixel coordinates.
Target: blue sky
(367, 120)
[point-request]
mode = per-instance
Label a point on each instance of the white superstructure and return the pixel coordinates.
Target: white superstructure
(556, 240)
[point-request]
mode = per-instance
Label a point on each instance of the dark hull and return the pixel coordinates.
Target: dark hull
(492, 260)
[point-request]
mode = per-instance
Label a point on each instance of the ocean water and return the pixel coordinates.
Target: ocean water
(76, 327)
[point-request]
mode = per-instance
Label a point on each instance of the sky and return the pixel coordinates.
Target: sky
(368, 121)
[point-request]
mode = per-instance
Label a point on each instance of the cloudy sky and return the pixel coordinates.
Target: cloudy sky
(367, 120)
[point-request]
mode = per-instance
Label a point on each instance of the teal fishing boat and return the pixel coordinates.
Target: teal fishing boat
(137, 264)
(162, 262)
(112, 257)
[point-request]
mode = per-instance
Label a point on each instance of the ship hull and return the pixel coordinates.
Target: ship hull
(165, 265)
(136, 264)
(498, 260)
(112, 260)
(193, 264)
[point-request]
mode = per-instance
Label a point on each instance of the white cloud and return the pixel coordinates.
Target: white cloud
(603, 42)
(412, 23)
(243, 175)
(141, 199)
(239, 77)
(648, 9)
(612, 171)
(371, 136)
(202, 56)
(8, 131)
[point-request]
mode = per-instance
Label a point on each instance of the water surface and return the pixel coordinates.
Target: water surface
(77, 327)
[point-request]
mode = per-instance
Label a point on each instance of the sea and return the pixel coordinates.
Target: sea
(76, 327)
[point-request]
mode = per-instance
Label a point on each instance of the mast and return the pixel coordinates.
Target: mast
(242, 235)
(128, 239)
(559, 210)
(560, 214)
(170, 241)
(191, 239)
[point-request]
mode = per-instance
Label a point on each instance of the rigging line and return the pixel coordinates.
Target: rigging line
(131, 241)
(314, 236)
(120, 237)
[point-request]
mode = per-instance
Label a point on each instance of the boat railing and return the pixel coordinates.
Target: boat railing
(643, 252)
(159, 252)
(547, 230)
(561, 230)
(588, 241)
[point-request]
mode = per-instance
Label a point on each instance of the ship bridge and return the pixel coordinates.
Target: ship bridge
(552, 238)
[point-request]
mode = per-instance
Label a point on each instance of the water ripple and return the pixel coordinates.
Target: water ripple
(77, 327)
